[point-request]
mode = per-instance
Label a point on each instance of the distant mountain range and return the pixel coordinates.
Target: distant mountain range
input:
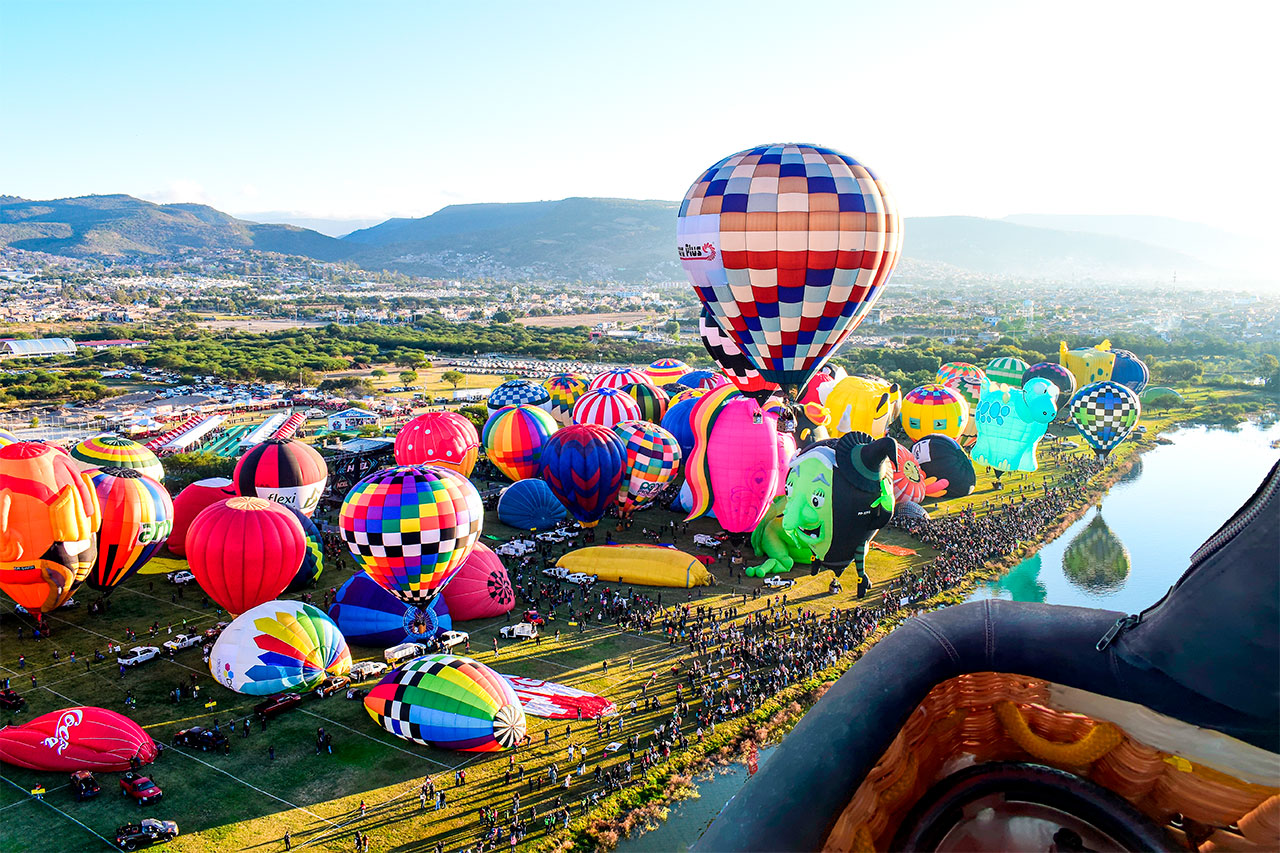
(593, 239)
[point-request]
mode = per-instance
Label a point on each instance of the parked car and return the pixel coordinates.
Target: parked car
(580, 578)
(332, 685)
(397, 655)
(367, 669)
(198, 737)
(532, 617)
(146, 832)
(137, 655)
(556, 572)
(775, 582)
(141, 788)
(277, 704)
(84, 786)
(212, 633)
(183, 641)
(449, 639)
(11, 701)
(180, 578)
(520, 631)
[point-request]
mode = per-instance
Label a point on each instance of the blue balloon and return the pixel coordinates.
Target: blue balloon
(368, 615)
(1129, 371)
(679, 422)
(312, 558)
(530, 505)
(696, 378)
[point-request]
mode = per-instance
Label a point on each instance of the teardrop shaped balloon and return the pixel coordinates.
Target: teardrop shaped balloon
(789, 246)
(113, 451)
(665, 370)
(934, 408)
(446, 439)
(652, 461)
(652, 401)
(583, 466)
(137, 516)
(1104, 413)
(1055, 373)
(565, 389)
(1005, 373)
(618, 377)
(244, 551)
(514, 437)
(278, 646)
(283, 470)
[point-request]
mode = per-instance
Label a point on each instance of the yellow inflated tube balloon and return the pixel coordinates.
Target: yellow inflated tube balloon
(645, 565)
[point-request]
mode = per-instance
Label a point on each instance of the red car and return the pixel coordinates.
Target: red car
(532, 617)
(277, 704)
(142, 789)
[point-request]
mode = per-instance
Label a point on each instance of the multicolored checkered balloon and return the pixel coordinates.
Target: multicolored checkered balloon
(736, 366)
(789, 246)
(565, 389)
(1104, 413)
(410, 527)
(652, 461)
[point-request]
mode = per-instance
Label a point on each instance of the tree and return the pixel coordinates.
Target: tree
(408, 377)
(502, 317)
(453, 377)
(379, 373)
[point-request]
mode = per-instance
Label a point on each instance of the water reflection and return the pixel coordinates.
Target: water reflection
(1134, 472)
(1022, 583)
(1096, 561)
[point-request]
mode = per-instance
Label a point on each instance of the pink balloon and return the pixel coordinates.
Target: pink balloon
(481, 589)
(742, 460)
(786, 450)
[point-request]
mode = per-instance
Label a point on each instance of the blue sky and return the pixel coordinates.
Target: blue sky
(375, 109)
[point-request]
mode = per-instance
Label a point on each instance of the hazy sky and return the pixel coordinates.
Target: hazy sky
(373, 109)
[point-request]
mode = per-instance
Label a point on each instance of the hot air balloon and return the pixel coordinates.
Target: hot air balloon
(530, 505)
(368, 615)
(652, 401)
(934, 408)
(1055, 373)
(1005, 373)
(565, 389)
(789, 246)
(705, 380)
(1104, 413)
(137, 516)
(683, 394)
(7, 438)
(953, 369)
(678, 421)
(313, 557)
(618, 377)
(583, 466)
(47, 527)
(1011, 424)
(652, 461)
(605, 407)
(812, 415)
(665, 370)
(278, 646)
(729, 358)
(448, 702)
(734, 465)
(947, 468)
(514, 437)
(1129, 371)
(187, 505)
(411, 527)
(1088, 364)
(285, 471)
(861, 404)
(81, 738)
(112, 451)
(481, 589)
(446, 439)
(908, 479)
(244, 551)
(519, 392)
(970, 381)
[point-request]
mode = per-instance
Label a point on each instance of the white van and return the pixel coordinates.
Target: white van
(397, 655)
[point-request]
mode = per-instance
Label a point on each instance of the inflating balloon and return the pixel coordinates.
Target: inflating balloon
(519, 392)
(665, 370)
(279, 646)
(188, 504)
(1005, 373)
(49, 518)
(682, 393)
(1130, 371)
(839, 494)
(652, 461)
(789, 246)
(679, 422)
(112, 451)
(1064, 379)
(729, 358)
(410, 528)
(862, 404)
(1104, 413)
(530, 505)
(368, 615)
(481, 589)
(605, 407)
(514, 437)
(448, 702)
(652, 401)
(908, 479)
(954, 369)
(446, 439)
(245, 551)
(812, 415)
(1011, 424)
(733, 469)
(565, 389)
(1088, 364)
(81, 738)
(934, 409)
(285, 471)
(313, 557)
(7, 438)
(583, 466)
(137, 516)
(705, 380)
(618, 377)
(947, 468)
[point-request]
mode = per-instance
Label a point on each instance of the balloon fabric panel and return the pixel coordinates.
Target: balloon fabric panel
(137, 516)
(113, 451)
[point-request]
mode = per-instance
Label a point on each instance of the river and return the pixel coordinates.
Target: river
(1121, 555)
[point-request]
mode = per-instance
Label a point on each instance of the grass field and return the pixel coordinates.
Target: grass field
(246, 800)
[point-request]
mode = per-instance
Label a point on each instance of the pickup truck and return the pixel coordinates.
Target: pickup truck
(137, 655)
(397, 655)
(519, 631)
(183, 641)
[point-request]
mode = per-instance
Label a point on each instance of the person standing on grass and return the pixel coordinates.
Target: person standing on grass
(288, 840)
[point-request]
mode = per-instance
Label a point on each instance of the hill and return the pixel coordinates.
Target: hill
(117, 226)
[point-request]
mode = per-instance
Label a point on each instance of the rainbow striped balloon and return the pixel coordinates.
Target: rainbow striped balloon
(137, 515)
(513, 439)
(652, 461)
(665, 370)
(652, 401)
(113, 451)
(279, 645)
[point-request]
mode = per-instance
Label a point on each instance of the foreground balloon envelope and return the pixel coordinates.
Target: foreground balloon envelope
(276, 646)
(368, 615)
(947, 468)
(137, 515)
(446, 439)
(908, 479)
(481, 589)
(411, 527)
(513, 439)
(862, 404)
(189, 503)
(81, 738)
(734, 466)
(113, 451)
(245, 551)
(448, 702)
(285, 471)
(789, 246)
(1104, 413)
(583, 466)
(47, 530)
(530, 505)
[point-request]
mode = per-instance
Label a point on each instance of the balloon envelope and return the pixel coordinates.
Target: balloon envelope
(678, 421)
(245, 551)
(513, 439)
(652, 461)
(113, 451)
(605, 407)
(665, 370)
(188, 504)
(519, 392)
(565, 389)
(448, 702)
(368, 615)
(410, 527)
(1104, 414)
(530, 505)
(947, 468)
(81, 738)
(313, 557)
(728, 357)
(1064, 379)
(278, 646)
(137, 515)
(618, 377)
(934, 408)
(652, 401)
(1011, 423)
(285, 471)
(908, 479)
(734, 466)
(446, 439)
(583, 466)
(702, 379)
(1005, 373)
(481, 589)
